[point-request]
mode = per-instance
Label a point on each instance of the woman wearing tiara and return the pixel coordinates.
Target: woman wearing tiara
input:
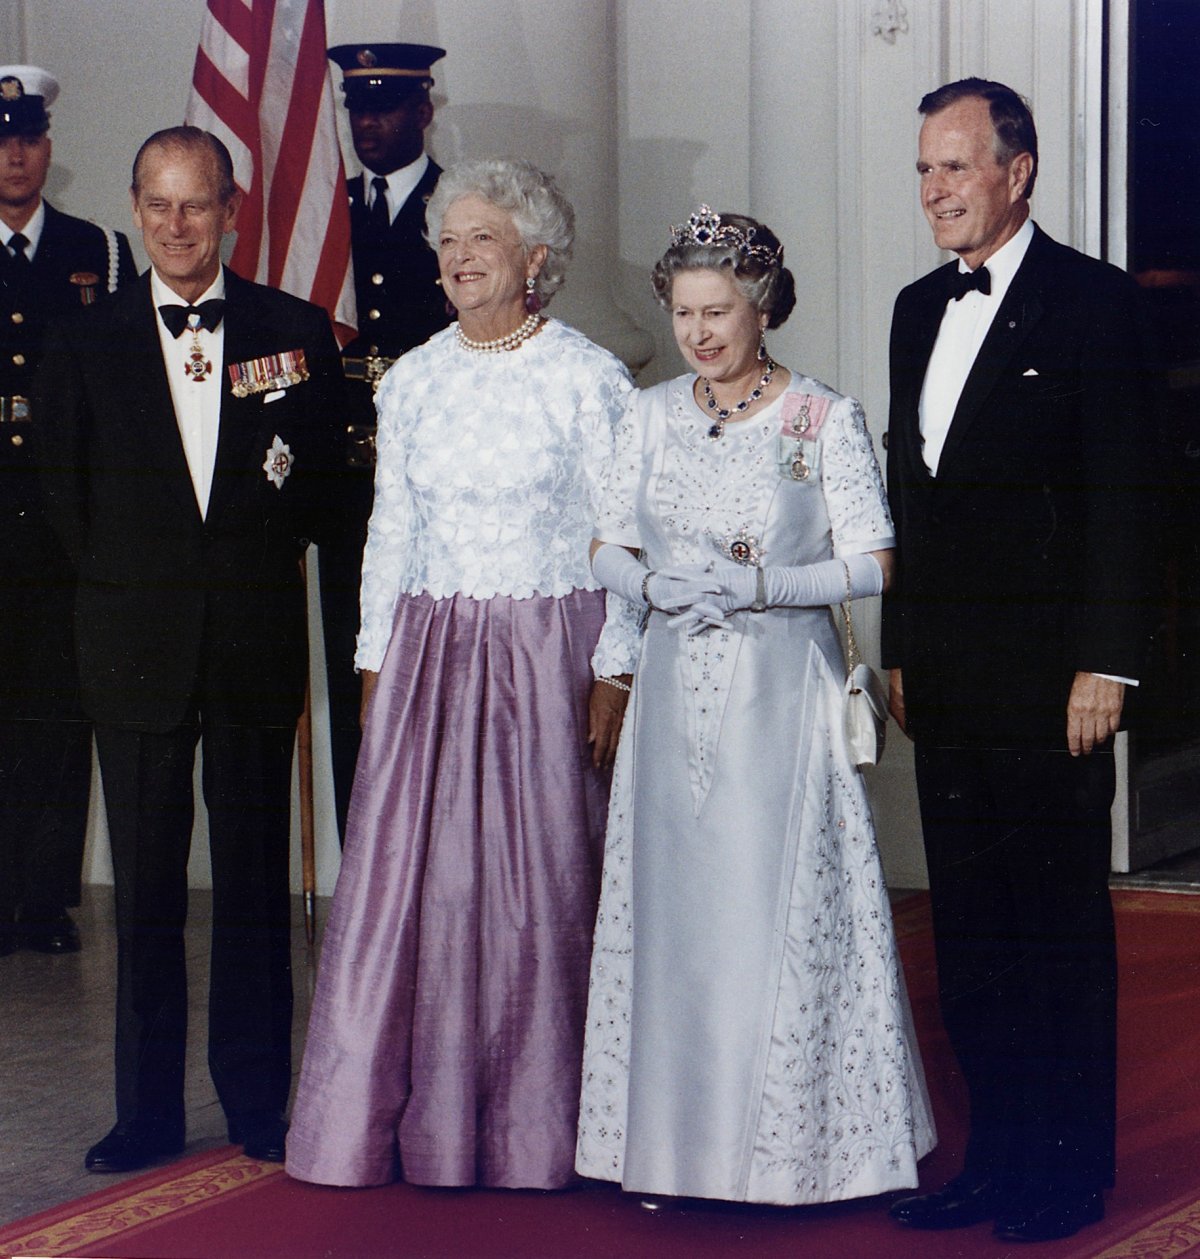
(748, 1031)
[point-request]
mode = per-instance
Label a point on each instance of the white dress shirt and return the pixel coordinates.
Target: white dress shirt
(964, 325)
(197, 402)
(400, 184)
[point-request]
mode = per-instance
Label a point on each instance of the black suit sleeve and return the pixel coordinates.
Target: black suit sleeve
(329, 405)
(60, 399)
(1119, 458)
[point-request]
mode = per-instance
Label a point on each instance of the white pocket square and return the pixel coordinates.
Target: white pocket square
(278, 393)
(1030, 371)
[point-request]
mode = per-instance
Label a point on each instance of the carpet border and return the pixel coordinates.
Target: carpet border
(123, 1209)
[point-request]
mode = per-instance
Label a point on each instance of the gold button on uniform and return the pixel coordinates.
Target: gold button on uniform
(18, 360)
(18, 440)
(377, 278)
(372, 314)
(17, 317)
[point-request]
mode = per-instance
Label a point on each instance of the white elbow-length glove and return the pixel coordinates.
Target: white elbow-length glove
(670, 589)
(797, 586)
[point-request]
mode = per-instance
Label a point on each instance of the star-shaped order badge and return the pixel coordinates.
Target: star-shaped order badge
(278, 463)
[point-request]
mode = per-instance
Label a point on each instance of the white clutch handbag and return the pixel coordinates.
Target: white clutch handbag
(864, 701)
(865, 711)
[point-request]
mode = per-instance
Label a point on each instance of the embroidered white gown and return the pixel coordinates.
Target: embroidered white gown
(748, 1033)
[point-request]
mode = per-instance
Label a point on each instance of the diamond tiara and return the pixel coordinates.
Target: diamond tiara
(705, 228)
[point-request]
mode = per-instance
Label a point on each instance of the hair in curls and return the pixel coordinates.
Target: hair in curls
(539, 211)
(768, 286)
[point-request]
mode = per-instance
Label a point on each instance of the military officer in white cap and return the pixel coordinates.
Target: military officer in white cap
(49, 264)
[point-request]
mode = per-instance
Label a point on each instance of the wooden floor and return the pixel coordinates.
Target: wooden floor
(56, 1072)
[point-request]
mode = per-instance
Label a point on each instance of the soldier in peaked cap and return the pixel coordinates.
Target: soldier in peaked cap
(386, 89)
(50, 264)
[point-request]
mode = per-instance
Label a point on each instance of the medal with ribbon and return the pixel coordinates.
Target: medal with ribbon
(802, 415)
(272, 371)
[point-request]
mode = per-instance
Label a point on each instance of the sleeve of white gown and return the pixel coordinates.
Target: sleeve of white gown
(616, 519)
(852, 483)
(620, 640)
(390, 529)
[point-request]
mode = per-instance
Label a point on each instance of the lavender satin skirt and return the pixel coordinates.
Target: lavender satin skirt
(446, 1034)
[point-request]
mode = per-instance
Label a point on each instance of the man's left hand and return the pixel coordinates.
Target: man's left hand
(606, 712)
(1093, 712)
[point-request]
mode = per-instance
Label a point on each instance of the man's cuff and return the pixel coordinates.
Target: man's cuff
(1112, 677)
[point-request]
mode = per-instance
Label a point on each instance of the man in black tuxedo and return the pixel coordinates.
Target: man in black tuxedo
(50, 264)
(189, 445)
(400, 305)
(1021, 427)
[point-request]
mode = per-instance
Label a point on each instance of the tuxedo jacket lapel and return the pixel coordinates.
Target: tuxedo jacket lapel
(136, 325)
(1016, 319)
(926, 319)
(236, 435)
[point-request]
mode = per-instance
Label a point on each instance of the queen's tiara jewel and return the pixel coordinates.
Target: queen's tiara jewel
(705, 228)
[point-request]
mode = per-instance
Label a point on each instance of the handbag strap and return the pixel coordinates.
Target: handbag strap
(853, 659)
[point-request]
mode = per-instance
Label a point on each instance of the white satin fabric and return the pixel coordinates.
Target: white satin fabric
(748, 1035)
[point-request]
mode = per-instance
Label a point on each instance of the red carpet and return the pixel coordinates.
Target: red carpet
(218, 1206)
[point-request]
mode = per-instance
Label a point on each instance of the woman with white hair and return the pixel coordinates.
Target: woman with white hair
(446, 1035)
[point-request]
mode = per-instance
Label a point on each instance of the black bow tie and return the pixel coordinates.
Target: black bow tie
(176, 317)
(962, 282)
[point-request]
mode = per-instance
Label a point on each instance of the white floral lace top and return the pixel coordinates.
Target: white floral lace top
(490, 469)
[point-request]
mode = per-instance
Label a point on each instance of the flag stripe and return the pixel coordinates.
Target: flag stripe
(261, 83)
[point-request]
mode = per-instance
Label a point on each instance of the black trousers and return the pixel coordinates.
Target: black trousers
(45, 782)
(149, 799)
(1018, 849)
(340, 561)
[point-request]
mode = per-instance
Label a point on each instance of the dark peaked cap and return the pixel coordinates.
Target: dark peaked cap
(381, 76)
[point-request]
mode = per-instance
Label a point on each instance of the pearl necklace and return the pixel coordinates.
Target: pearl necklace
(500, 344)
(723, 413)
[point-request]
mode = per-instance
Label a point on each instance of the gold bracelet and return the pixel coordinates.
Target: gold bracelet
(621, 686)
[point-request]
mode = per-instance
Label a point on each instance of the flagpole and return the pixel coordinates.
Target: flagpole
(308, 847)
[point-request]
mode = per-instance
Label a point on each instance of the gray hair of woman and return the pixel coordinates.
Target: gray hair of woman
(539, 211)
(736, 243)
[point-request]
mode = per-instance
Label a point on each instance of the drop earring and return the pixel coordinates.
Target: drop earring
(533, 303)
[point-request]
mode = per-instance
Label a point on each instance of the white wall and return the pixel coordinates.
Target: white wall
(795, 110)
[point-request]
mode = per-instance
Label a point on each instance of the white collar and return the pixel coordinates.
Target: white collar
(401, 183)
(32, 231)
(163, 295)
(1006, 261)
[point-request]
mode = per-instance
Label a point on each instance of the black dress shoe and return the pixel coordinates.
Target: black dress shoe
(129, 1147)
(966, 1200)
(262, 1137)
(48, 932)
(1050, 1216)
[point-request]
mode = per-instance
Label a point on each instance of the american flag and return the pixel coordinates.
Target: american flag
(262, 84)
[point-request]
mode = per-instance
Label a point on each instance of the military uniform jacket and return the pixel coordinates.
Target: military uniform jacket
(76, 263)
(395, 275)
(172, 607)
(1029, 556)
